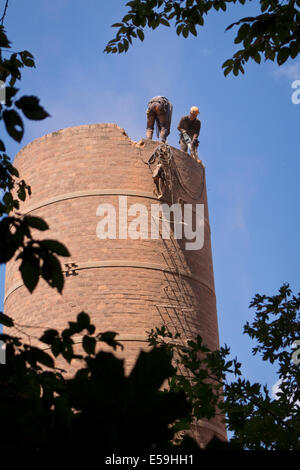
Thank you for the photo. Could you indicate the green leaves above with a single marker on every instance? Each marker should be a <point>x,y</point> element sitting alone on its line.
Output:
<point>14,124</point>
<point>196,365</point>
<point>27,58</point>
<point>4,42</point>
<point>185,32</point>
<point>283,55</point>
<point>250,409</point>
<point>10,92</point>
<point>31,267</point>
<point>10,72</point>
<point>257,58</point>
<point>41,406</point>
<point>31,108</point>
<point>273,34</point>
<point>294,49</point>
<point>257,421</point>
<point>243,32</point>
<point>44,250</point>
<point>140,34</point>
<point>154,14</point>
<point>276,324</point>
<point>38,258</point>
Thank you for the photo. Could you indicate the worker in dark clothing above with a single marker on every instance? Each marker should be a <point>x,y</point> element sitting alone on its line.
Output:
<point>189,128</point>
<point>159,111</point>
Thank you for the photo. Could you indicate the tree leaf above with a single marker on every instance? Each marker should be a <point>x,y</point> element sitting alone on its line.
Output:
<point>283,55</point>
<point>140,34</point>
<point>31,108</point>
<point>164,22</point>
<point>27,59</point>
<point>14,124</point>
<point>185,32</point>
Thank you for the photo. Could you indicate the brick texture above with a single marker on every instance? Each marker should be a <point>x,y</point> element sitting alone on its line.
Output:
<point>128,286</point>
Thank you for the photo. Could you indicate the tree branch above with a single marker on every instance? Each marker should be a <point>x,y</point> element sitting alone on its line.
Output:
<point>4,12</point>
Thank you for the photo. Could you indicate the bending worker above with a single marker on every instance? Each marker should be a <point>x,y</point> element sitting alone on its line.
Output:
<point>189,128</point>
<point>159,111</point>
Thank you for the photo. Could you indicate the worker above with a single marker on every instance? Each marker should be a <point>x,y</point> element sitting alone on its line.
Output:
<point>189,128</point>
<point>159,111</point>
<point>159,179</point>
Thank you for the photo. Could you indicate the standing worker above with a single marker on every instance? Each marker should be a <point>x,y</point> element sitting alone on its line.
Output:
<point>189,128</point>
<point>159,111</point>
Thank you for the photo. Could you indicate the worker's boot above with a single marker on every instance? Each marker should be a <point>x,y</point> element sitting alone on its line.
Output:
<point>149,133</point>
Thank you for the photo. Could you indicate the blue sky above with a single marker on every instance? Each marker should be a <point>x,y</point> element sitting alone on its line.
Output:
<point>249,137</point>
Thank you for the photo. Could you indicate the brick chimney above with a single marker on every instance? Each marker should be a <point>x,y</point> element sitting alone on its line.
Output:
<point>125,285</point>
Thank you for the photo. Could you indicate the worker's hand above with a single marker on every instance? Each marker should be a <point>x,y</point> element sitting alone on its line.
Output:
<point>186,138</point>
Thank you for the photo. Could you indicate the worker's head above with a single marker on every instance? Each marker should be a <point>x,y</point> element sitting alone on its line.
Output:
<point>194,111</point>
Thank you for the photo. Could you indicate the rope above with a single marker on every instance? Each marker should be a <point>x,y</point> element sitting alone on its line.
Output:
<point>193,195</point>
<point>163,154</point>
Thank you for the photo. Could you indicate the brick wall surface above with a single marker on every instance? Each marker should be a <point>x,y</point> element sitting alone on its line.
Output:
<point>128,286</point>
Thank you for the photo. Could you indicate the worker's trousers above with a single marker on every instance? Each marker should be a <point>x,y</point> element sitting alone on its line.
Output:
<point>163,120</point>
<point>183,145</point>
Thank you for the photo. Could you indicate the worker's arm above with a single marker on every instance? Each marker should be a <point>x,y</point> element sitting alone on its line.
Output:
<point>197,132</point>
<point>180,126</point>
